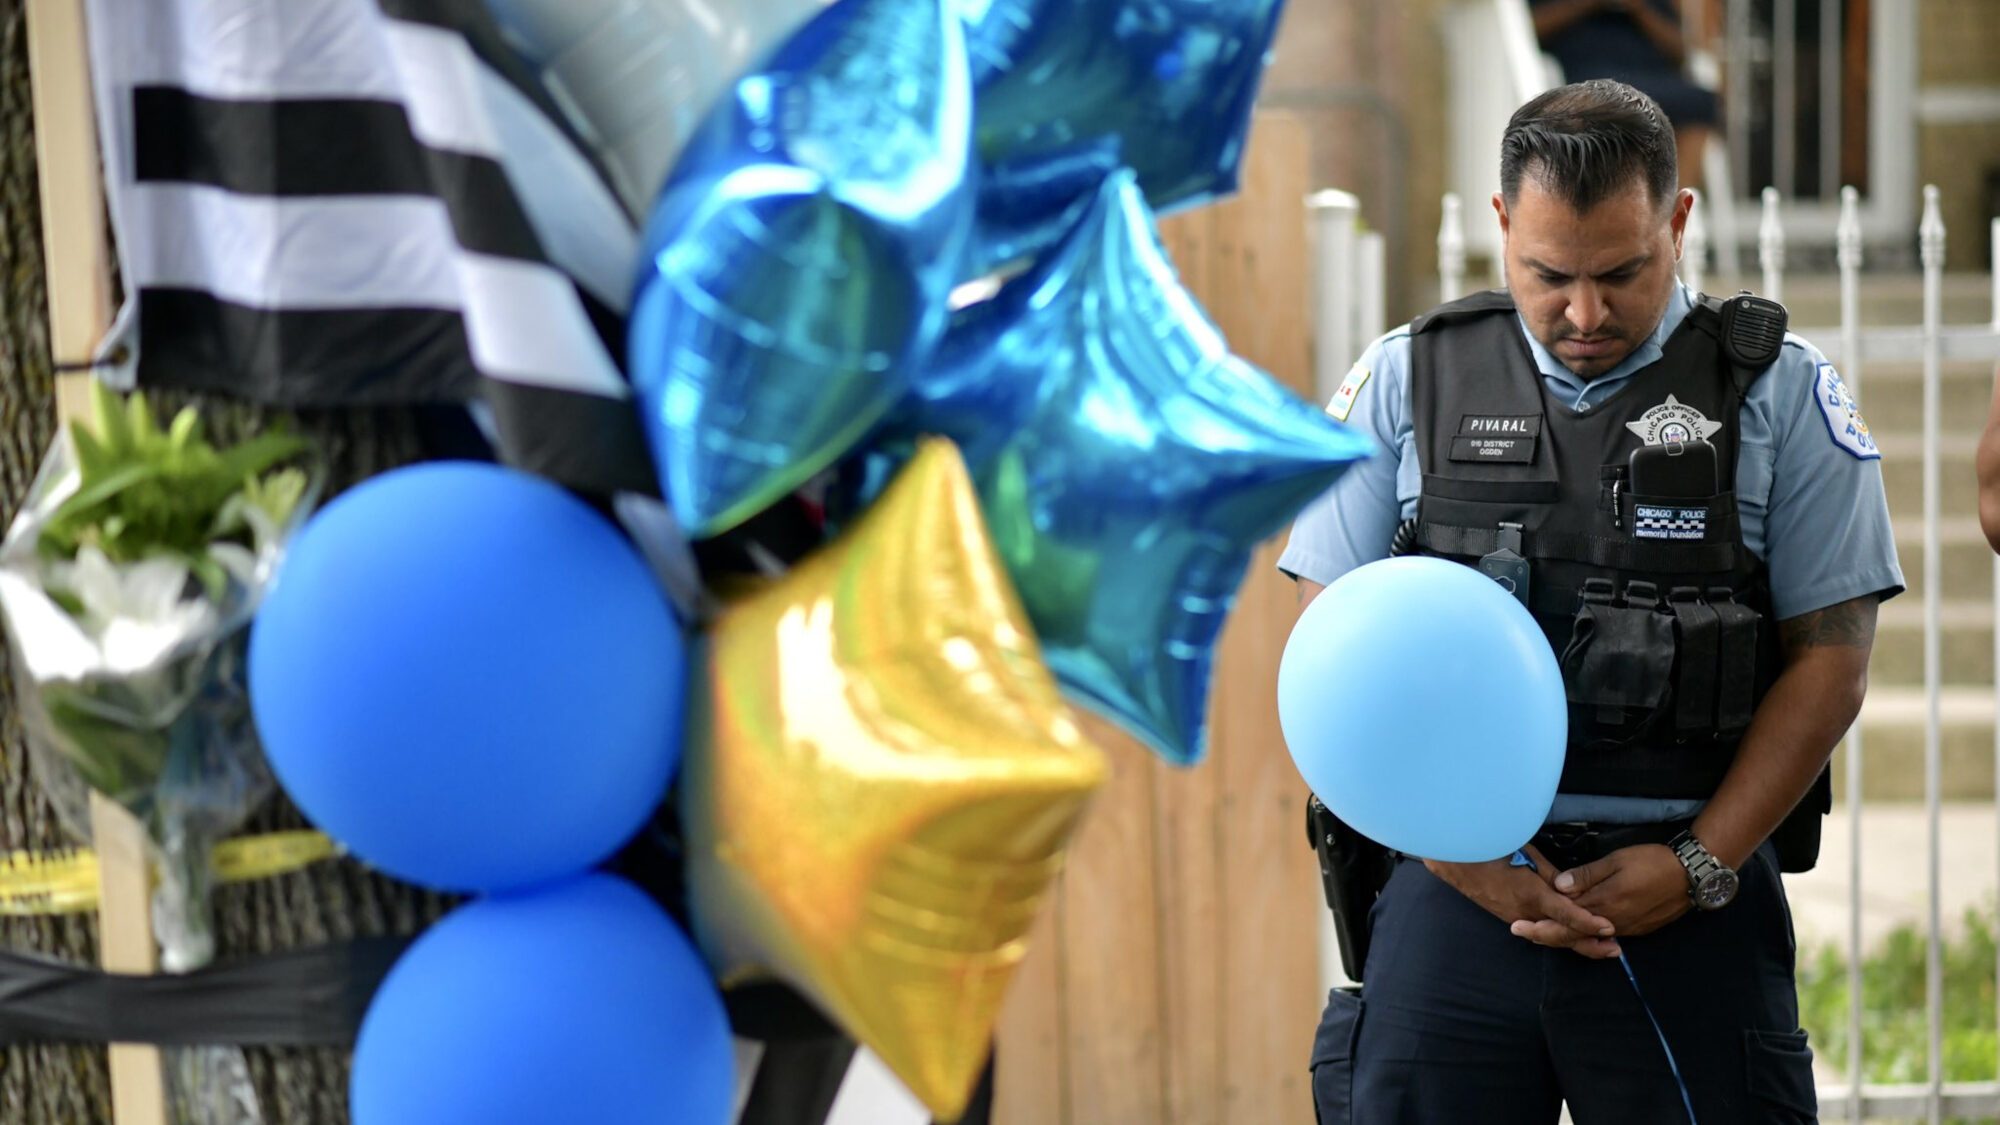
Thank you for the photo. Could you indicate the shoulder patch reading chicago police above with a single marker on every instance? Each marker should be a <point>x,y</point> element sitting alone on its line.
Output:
<point>1843,415</point>
<point>1342,403</point>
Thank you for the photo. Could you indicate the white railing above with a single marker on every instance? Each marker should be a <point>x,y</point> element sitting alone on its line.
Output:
<point>1494,64</point>
<point>1854,347</point>
<point>1350,285</point>
<point>1848,259</point>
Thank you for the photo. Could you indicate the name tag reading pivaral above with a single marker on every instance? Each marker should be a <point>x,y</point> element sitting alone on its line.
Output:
<point>1507,439</point>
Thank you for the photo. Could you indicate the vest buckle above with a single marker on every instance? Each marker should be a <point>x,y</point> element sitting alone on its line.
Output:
<point>1642,595</point>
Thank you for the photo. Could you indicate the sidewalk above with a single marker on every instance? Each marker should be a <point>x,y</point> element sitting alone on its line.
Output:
<point>1895,880</point>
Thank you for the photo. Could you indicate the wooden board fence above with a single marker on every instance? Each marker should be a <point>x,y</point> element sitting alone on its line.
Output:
<point>1175,979</point>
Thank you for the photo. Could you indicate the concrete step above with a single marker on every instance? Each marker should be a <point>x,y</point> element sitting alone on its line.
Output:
<point>1961,442</point>
<point>1892,399</point>
<point>1958,486</point>
<point>1892,754</point>
<point>1887,298</point>
<point>1965,560</point>
<point>1965,643</point>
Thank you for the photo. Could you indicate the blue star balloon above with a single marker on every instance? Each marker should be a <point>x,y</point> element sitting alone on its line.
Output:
<point>798,261</point>
<point>1127,463</point>
<point>1069,89</point>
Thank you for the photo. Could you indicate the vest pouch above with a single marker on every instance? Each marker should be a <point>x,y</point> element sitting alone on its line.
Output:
<point>1737,626</point>
<point>1697,636</point>
<point>1796,839</point>
<point>1619,662</point>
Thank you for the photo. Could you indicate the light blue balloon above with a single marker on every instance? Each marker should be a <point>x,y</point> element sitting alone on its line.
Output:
<point>1424,705</point>
<point>579,1002</point>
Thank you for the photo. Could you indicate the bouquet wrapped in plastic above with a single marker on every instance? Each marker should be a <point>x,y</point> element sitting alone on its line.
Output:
<point>127,581</point>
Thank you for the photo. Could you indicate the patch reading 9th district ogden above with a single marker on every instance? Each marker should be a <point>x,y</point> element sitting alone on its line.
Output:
<point>1342,403</point>
<point>1843,415</point>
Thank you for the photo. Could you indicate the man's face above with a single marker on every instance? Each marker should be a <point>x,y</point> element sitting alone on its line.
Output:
<point>1593,286</point>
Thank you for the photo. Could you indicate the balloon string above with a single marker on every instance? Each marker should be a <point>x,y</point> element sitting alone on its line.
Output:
<point>1520,859</point>
<point>1673,1066</point>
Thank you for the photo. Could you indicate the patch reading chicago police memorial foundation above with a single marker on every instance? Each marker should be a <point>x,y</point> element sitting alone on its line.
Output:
<point>1659,521</point>
<point>1506,438</point>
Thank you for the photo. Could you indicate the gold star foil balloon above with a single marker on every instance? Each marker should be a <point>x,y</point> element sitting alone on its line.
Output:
<point>881,781</point>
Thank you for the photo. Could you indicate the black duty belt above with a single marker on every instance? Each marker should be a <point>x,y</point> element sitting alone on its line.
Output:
<point>1575,844</point>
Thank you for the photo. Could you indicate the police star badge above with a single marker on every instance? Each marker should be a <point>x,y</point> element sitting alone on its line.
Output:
<point>1673,421</point>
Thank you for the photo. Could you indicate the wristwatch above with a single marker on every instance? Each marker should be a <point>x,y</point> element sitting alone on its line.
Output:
<point>1711,885</point>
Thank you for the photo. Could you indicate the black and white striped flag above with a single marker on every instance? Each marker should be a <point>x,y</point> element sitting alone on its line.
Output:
<point>362,202</point>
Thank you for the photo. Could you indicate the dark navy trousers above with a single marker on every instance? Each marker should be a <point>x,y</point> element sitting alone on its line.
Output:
<point>1460,1022</point>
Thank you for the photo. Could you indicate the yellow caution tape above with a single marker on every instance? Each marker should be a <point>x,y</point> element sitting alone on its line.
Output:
<point>245,858</point>
<point>62,882</point>
<point>65,882</point>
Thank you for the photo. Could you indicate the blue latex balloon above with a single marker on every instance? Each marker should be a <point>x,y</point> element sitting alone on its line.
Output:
<point>1127,464</point>
<point>580,1002</point>
<point>797,264</point>
<point>1423,704</point>
<point>1068,89</point>
<point>469,678</point>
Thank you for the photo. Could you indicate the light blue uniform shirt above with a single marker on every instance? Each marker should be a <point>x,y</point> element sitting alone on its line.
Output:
<point>1812,508</point>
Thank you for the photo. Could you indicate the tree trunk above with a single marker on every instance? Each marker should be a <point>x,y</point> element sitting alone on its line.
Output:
<point>66,1084</point>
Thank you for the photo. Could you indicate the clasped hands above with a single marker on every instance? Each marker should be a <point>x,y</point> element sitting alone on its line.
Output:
<point>1629,892</point>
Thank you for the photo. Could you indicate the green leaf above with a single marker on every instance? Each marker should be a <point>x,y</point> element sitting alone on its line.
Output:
<point>145,430</point>
<point>277,494</point>
<point>143,491</point>
<point>214,579</point>
<point>113,425</point>
<point>91,459</point>
<point>118,480</point>
<point>186,430</point>
<point>254,456</point>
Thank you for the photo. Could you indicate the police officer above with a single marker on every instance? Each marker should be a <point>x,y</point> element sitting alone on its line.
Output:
<point>1701,511</point>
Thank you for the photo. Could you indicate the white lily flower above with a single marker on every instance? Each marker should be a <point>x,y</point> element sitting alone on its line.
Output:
<point>137,612</point>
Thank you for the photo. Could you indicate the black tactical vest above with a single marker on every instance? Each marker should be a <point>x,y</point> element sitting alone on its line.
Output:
<point>1659,614</point>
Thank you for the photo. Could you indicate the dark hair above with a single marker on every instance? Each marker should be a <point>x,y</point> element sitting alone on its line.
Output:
<point>1585,142</point>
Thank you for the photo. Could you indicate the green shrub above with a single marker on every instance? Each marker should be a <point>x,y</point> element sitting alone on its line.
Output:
<point>1895,1035</point>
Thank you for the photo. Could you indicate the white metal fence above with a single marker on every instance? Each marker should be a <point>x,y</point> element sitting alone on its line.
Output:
<point>1793,75</point>
<point>1349,313</point>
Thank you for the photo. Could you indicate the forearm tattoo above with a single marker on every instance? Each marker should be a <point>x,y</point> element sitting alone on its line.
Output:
<point>1850,624</point>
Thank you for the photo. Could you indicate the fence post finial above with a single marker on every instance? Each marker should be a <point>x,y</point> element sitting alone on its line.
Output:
<point>1996,278</point>
<point>1335,218</point>
<point>1930,232</point>
<point>1847,256</point>
<point>1771,246</point>
<point>1694,243</point>
<point>1847,234</point>
<point>1451,249</point>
